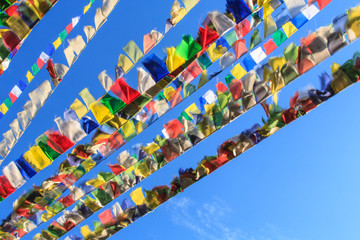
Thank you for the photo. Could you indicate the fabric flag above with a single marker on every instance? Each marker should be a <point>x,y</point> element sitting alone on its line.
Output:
<point>189,4</point>
<point>209,97</point>
<point>4,151</point>
<point>29,76</point>
<point>156,67</point>
<point>101,113</point>
<point>89,33</point>
<point>87,97</point>
<point>79,108</point>
<point>71,129</point>
<point>226,60</point>
<point>289,29</point>
<point>323,3</point>
<point>276,63</point>
<point>15,127</point>
<point>36,158</point>
<point>77,44</point>
<point>269,46</point>
<point>255,39</point>
<point>108,6</point>
<point>125,160</point>
<point>242,28</point>
<point>310,11</point>
<point>105,80</point>
<point>12,173</point>
<point>125,63</point>
<point>9,139</point>
<point>121,89</point>
<point>112,103</point>
<point>238,8</point>
<point>173,128</point>
<point>231,37</point>
<point>70,56</point>
<point>294,6</point>
<point>145,80</point>
<point>258,55</point>
<point>15,93</point>
<point>188,48</point>
<point>173,60</point>
<point>137,196</point>
<point>106,218</point>
<point>279,37</point>
<point>207,36</point>
<point>299,20</point>
<point>291,53</point>
<point>150,40</point>
<point>221,22</point>
<point>177,13</point>
<point>249,63</point>
<point>238,71</point>
<point>99,18</point>
<point>191,72</point>
<point>269,26</point>
<point>57,43</point>
<point>215,52</point>
<point>133,51</point>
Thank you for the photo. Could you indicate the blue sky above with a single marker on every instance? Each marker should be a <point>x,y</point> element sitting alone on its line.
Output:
<point>301,183</point>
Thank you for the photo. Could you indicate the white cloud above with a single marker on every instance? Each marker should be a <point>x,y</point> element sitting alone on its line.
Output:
<point>213,220</point>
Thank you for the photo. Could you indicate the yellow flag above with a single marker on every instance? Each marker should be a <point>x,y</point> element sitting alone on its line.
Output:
<point>128,128</point>
<point>173,61</point>
<point>36,158</point>
<point>289,29</point>
<point>335,68</point>
<point>215,52</point>
<point>3,108</point>
<point>88,164</point>
<point>192,109</point>
<point>79,108</point>
<point>29,76</point>
<point>141,169</point>
<point>276,63</point>
<point>85,231</point>
<point>137,196</point>
<point>151,148</point>
<point>117,122</point>
<point>209,109</point>
<point>87,7</point>
<point>125,63</point>
<point>177,13</point>
<point>87,97</point>
<point>140,127</point>
<point>262,2</point>
<point>238,71</point>
<point>95,182</point>
<point>169,92</point>
<point>189,4</point>
<point>269,26</point>
<point>57,43</point>
<point>267,10</point>
<point>133,51</point>
<point>101,113</point>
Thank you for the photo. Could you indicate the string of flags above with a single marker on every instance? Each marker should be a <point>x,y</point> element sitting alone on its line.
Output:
<point>121,215</point>
<point>58,71</point>
<point>340,82</point>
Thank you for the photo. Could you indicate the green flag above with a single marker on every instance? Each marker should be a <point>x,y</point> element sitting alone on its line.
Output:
<point>112,103</point>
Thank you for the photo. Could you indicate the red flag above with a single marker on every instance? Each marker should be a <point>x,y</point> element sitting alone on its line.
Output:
<point>59,143</point>
<point>207,36</point>
<point>270,46</point>
<point>242,28</point>
<point>174,128</point>
<point>176,97</point>
<point>121,89</point>
<point>221,88</point>
<point>116,168</point>
<point>67,201</point>
<point>236,87</point>
<point>106,218</point>
<point>239,48</point>
<point>323,3</point>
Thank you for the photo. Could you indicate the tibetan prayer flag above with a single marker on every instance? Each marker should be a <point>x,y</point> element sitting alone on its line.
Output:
<point>133,51</point>
<point>299,20</point>
<point>269,26</point>
<point>242,28</point>
<point>112,103</point>
<point>239,48</point>
<point>188,48</point>
<point>238,8</point>
<point>137,196</point>
<point>221,22</point>
<point>269,46</point>
<point>291,53</point>
<point>258,55</point>
<point>156,67</point>
<point>79,108</point>
<point>87,97</point>
<point>29,76</point>
<point>294,6</point>
<point>323,3</point>
<point>249,63</point>
<point>36,158</point>
<point>255,39</point>
<point>121,89</point>
<point>125,63</point>
<point>238,71</point>
<point>101,113</point>
<point>173,60</point>
<point>279,37</point>
<point>207,36</point>
<point>177,13</point>
<point>289,29</point>
<point>310,11</point>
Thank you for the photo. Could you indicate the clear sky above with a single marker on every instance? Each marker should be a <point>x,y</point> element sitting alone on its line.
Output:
<point>301,183</point>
